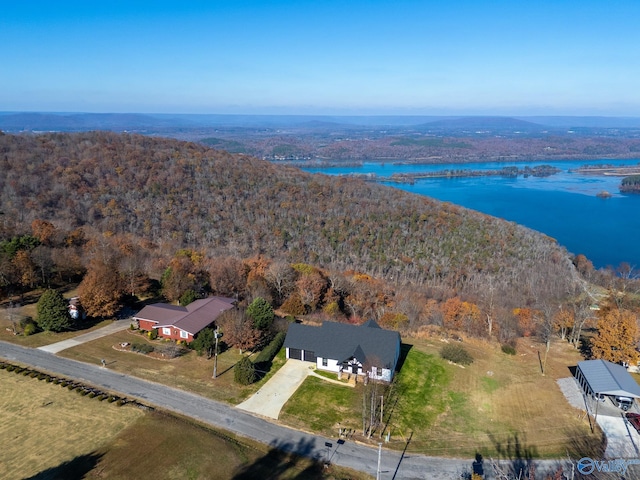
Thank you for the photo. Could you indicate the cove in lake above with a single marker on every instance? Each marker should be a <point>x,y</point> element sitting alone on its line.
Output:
<point>563,206</point>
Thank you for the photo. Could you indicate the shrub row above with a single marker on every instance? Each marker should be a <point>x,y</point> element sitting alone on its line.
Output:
<point>271,350</point>
<point>71,385</point>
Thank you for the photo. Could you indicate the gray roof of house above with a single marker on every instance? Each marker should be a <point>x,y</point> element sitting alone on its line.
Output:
<point>192,318</point>
<point>609,378</point>
<point>368,343</point>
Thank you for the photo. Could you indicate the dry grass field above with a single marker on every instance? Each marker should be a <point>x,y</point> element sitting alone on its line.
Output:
<point>48,432</point>
<point>43,425</point>
<point>502,405</point>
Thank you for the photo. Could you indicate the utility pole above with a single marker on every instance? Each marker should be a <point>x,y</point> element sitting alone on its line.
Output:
<point>217,335</point>
<point>379,455</point>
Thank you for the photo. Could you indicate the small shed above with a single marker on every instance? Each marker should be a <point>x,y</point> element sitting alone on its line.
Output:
<point>599,377</point>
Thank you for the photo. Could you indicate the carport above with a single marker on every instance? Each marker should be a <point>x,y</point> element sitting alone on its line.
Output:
<point>599,377</point>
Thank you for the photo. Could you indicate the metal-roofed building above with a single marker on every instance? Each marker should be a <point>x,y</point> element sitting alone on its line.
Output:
<point>363,349</point>
<point>599,377</point>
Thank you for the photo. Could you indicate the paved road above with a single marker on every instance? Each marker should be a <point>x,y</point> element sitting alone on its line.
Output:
<point>349,454</point>
<point>87,337</point>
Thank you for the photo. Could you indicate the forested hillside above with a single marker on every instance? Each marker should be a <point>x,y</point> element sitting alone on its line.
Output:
<point>169,195</point>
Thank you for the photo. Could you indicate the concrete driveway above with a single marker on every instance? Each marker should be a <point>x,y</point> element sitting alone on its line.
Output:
<point>269,400</point>
<point>116,326</point>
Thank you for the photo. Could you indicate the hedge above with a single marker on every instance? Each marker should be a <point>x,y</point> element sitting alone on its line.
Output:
<point>271,350</point>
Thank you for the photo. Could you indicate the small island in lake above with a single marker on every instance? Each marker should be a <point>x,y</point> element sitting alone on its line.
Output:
<point>630,184</point>
<point>603,194</point>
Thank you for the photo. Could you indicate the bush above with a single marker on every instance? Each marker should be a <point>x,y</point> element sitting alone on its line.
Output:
<point>293,305</point>
<point>456,354</point>
<point>508,349</point>
<point>29,329</point>
<point>153,334</point>
<point>142,348</point>
<point>244,372</point>
<point>188,297</point>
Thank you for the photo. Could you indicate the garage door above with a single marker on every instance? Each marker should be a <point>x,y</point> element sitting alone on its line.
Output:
<point>295,353</point>
<point>309,356</point>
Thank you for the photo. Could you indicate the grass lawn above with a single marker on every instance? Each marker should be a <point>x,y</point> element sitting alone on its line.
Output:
<point>51,432</point>
<point>189,372</point>
<point>500,405</point>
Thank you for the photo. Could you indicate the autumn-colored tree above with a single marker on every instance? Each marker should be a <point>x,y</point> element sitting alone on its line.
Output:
<point>394,320</point>
<point>462,316</point>
<point>25,268</point>
<point>43,231</point>
<point>528,320</point>
<point>185,272</point>
<point>227,276</point>
<point>617,337</point>
<point>100,290</point>
<point>293,305</point>
<point>311,288</point>
<point>563,322</point>
<point>239,331</point>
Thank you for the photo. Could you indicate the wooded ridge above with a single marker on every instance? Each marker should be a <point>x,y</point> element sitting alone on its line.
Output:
<point>169,195</point>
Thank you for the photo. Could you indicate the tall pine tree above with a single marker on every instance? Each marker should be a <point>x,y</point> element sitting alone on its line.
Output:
<point>53,312</point>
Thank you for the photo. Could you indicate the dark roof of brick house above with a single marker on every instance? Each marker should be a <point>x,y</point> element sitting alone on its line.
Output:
<point>192,318</point>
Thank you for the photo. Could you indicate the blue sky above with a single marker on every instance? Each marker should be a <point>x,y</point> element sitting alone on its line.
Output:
<point>322,56</point>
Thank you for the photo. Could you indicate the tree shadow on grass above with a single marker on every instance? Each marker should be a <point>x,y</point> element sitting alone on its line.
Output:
<point>281,458</point>
<point>71,470</point>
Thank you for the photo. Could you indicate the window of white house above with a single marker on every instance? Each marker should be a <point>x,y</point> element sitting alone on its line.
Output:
<point>325,362</point>
<point>378,371</point>
<point>184,334</point>
<point>166,331</point>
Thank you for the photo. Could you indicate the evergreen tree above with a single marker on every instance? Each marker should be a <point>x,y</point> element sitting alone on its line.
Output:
<point>205,341</point>
<point>53,313</point>
<point>261,312</point>
<point>244,372</point>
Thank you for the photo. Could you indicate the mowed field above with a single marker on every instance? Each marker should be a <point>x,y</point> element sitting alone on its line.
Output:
<point>43,426</point>
<point>49,432</point>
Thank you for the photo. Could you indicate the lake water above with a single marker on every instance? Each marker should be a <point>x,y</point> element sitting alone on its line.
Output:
<point>563,206</point>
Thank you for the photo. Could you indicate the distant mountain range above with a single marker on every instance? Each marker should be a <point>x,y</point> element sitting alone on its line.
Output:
<point>146,123</point>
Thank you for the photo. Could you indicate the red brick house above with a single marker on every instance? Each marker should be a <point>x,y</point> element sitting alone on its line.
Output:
<point>182,323</point>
